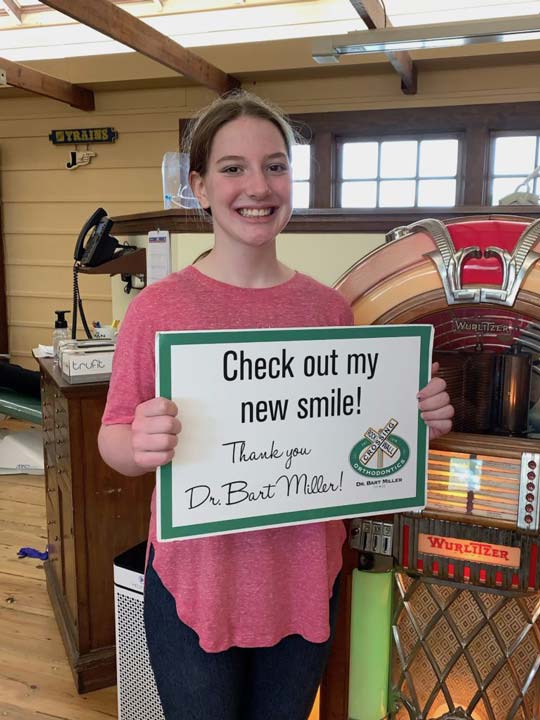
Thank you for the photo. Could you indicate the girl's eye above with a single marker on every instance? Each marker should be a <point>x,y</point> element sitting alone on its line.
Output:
<point>231,170</point>
<point>278,167</point>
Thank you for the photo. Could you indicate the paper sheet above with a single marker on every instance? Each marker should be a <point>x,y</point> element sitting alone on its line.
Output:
<point>21,452</point>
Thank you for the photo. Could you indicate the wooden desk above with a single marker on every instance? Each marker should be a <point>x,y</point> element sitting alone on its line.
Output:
<point>93,514</point>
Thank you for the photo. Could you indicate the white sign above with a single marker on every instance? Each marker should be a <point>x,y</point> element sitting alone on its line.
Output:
<point>292,426</point>
<point>158,256</point>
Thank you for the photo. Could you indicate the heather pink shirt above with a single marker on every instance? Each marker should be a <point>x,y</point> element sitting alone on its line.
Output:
<point>247,589</point>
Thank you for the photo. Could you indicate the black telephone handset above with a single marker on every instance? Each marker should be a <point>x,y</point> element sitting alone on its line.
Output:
<point>100,247</point>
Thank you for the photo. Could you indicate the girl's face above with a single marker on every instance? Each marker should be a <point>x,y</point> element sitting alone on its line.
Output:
<point>247,183</point>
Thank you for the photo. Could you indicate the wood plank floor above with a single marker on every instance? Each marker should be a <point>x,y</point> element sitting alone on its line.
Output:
<point>35,679</point>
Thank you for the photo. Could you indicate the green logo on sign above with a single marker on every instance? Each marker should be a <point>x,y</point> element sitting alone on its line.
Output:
<point>379,453</point>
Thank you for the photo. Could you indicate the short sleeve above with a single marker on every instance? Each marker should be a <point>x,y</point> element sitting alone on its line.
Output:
<point>133,374</point>
<point>347,316</point>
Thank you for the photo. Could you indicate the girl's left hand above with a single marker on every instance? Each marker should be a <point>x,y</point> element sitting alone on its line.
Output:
<point>435,407</point>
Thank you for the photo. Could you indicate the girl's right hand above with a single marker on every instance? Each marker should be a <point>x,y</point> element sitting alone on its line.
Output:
<point>154,432</point>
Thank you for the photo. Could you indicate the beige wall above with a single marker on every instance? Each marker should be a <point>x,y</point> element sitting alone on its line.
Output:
<point>324,257</point>
<point>44,204</point>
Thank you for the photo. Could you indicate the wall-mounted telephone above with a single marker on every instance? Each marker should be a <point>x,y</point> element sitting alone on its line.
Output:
<point>100,246</point>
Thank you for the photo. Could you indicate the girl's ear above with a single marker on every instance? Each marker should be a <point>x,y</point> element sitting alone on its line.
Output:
<point>198,187</point>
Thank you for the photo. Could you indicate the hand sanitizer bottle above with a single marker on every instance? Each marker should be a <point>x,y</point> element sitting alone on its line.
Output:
<point>60,331</point>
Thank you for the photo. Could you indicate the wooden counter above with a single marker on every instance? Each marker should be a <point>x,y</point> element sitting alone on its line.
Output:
<point>93,514</point>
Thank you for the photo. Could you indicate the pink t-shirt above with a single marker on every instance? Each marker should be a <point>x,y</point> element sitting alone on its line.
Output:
<point>246,589</point>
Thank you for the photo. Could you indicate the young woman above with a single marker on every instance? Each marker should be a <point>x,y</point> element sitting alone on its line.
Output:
<point>238,626</point>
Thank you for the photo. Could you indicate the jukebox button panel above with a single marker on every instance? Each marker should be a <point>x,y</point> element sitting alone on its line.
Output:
<point>529,510</point>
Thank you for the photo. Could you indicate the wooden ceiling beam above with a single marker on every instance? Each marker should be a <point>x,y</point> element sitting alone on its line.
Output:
<point>403,64</point>
<point>373,13</point>
<point>13,10</point>
<point>26,78</point>
<point>106,18</point>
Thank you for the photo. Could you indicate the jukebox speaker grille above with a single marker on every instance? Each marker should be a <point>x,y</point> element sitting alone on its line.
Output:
<point>463,648</point>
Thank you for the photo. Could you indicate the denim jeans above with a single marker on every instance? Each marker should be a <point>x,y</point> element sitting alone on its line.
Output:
<point>275,683</point>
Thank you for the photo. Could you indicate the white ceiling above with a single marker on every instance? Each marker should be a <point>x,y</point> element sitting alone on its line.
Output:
<point>45,33</point>
<point>422,12</point>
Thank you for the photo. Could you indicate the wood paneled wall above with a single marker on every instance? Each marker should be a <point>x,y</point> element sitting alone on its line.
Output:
<point>44,204</point>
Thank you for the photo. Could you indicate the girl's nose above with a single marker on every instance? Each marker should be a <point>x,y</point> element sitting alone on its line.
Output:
<point>258,186</point>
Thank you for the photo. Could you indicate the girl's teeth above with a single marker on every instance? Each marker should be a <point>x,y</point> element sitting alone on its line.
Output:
<point>255,212</point>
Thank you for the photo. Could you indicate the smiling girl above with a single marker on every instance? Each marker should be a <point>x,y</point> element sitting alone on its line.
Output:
<point>238,626</point>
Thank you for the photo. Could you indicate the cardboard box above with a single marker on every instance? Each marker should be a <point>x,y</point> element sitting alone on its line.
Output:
<point>88,362</point>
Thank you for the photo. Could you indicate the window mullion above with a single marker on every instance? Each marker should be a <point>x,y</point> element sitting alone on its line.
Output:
<point>323,170</point>
<point>475,173</point>
<point>378,196</point>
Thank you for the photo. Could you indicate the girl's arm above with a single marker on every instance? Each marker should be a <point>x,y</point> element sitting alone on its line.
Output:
<point>145,444</point>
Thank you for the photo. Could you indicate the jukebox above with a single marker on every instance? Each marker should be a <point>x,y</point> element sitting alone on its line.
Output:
<point>458,584</point>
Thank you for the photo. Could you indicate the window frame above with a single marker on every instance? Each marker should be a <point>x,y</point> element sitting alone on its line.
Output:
<point>494,135</point>
<point>310,179</point>
<point>474,122</point>
<point>342,140</point>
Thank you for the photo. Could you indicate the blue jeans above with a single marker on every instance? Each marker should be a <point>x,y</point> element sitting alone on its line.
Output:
<point>275,683</point>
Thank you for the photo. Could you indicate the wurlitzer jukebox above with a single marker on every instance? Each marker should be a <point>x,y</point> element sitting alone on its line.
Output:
<point>458,614</point>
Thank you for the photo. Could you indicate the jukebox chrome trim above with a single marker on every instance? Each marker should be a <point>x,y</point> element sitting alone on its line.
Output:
<point>449,263</point>
<point>529,508</point>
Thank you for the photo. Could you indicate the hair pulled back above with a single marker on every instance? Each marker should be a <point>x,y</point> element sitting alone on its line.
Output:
<point>238,103</point>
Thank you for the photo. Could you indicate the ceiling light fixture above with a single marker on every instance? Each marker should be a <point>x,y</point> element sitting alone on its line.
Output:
<point>427,37</point>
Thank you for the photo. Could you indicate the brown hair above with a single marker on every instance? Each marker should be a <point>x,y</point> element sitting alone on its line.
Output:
<point>203,128</point>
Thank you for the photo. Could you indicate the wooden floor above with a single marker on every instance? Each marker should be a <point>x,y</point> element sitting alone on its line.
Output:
<point>35,679</point>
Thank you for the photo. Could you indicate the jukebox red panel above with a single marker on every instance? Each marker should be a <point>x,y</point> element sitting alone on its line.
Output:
<point>465,630</point>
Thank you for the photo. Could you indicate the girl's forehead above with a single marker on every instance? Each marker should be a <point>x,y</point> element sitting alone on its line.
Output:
<point>236,137</point>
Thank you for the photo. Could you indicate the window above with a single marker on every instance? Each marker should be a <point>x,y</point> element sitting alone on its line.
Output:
<point>514,157</point>
<point>418,172</point>
<point>301,168</point>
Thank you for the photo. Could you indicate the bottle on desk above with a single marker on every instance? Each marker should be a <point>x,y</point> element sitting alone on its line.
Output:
<point>60,332</point>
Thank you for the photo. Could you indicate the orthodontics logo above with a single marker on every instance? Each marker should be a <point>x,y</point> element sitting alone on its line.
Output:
<point>380,453</point>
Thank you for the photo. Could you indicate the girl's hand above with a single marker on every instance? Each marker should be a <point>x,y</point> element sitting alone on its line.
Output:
<point>434,404</point>
<point>154,432</point>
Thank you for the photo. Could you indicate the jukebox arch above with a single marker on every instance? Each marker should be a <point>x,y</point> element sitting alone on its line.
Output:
<point>462,578</point>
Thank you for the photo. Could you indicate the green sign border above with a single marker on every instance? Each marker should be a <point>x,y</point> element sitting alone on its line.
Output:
<point>165,341</point>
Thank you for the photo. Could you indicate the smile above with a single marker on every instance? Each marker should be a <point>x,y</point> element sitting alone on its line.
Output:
<point>255,212</point>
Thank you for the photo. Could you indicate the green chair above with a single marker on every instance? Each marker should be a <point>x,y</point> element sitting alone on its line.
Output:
<point>21,407</point>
